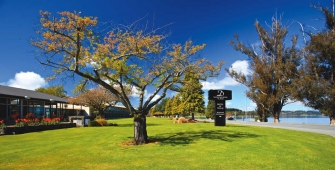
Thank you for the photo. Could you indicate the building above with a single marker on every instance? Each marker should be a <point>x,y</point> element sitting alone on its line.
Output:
<point>117,112</point>
<point>16,103</point>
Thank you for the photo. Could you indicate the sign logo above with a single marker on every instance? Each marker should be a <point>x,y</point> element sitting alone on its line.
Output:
<point>221,93</point>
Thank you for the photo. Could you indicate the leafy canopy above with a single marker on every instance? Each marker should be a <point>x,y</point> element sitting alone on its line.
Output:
<point>122,57</point>
<point>274,67</point>
<point>53,90</point>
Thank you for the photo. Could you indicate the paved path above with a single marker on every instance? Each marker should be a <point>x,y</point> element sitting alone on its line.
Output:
<point>323,129</point>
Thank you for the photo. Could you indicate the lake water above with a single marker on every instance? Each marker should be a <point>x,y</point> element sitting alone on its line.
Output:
<point>324,120</point>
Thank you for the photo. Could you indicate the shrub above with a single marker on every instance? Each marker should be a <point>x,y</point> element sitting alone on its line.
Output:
<point>256,118</point>
<point>98,117</point>
<point>190,121</point>
<point>102,121</point>
<point>93,123</point>
<point>112,124</point>
<point>182,120</point>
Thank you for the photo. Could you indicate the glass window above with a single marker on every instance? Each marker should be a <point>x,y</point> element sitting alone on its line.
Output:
<point>3,100</point>
<point>3,111</point>
<point>14,112</point>
<point>24,102</point>
<point>14,101</point>
<point>38,103</point>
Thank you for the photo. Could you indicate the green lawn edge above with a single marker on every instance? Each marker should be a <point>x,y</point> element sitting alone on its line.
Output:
<point>173,146</point>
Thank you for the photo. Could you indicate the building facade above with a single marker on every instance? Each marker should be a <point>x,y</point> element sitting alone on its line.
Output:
<point>16,103</point>
<point>117,112</point>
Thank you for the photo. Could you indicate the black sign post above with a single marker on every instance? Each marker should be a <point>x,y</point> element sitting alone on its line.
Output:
<point>220,97</point>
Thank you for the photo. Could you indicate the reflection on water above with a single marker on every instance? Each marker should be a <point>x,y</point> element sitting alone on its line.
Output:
<point>324,120</point>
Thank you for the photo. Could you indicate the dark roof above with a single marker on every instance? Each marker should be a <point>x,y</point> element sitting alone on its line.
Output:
<point>21,93</point>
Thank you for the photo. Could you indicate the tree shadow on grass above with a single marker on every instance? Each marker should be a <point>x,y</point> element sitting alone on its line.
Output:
<point>185,138</point>
<point>132,124</point>
<point>236,125</point>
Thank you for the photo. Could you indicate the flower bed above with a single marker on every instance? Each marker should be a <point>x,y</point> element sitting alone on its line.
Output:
<point>26,129</point>
<point>32,124</point>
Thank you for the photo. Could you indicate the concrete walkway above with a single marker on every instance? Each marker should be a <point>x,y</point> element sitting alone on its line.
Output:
<point>323,129</point>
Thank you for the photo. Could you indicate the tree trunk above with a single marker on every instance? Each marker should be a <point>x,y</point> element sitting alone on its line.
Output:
<point>276,111</point>
<point>140,129</point>
<point>263,118</point>
<point>332,120</point>
<point>275,117</point>
<point>192,116</point>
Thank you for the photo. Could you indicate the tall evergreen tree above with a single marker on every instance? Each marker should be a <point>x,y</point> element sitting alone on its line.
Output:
<point>161,105</point>
<point>192,96</point>
<point>175,107</point>
<point>210,109</point>
<point>274,68</point>
<point>317,83</point>
<point>168,107</point>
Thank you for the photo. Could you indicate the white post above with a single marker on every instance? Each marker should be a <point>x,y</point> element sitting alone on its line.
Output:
<point>245,112</point>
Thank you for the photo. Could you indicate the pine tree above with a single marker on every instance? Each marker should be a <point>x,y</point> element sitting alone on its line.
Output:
<point>317,83</point>
<point>274,68</point>
<point>168,107</point>
<point>210,110</point>
<point>192,96</point>
<point>175,107</point>
<point>161,105</point>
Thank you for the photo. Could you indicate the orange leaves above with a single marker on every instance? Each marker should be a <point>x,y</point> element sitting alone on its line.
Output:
<point>47,35</point>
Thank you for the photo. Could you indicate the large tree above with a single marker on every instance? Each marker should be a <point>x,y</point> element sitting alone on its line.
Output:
<point>122,57</point>
<point>192,96</point>
<point>53,90</point>
<point>98,98</point>
<point>273,66</point>
<point>317,83</point>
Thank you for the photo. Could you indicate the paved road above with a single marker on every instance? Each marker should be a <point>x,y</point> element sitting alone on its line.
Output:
<point>323,129</point>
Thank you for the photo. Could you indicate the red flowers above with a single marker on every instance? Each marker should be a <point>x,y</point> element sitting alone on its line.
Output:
<point>15,115</point>
<point>31,120</point>
<point>2,123</point>
<point>52,121</point>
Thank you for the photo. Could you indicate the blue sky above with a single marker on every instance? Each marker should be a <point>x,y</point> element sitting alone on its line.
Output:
<point>213,22</point>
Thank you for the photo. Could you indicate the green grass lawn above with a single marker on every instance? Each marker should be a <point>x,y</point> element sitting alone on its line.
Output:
<point>178,146</point>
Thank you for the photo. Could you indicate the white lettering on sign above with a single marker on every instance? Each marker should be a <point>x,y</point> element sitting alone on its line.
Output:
<point>220,97</point>
<point>219,113</point>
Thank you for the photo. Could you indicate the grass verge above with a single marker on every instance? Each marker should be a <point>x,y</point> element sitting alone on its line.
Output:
<point>174,146</point>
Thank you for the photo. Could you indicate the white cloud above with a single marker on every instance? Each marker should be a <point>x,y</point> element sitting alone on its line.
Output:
<point>241,66</point>
<point>135,93</point>
<point>219,84</point>
<point>238,66</point>
<point>147,95</point>
<point>26,80</point>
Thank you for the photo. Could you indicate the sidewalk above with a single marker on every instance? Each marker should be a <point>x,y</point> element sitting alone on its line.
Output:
<point>323,129</point>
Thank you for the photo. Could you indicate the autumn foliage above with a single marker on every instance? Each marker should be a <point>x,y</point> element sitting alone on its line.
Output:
<point>118,58</point>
